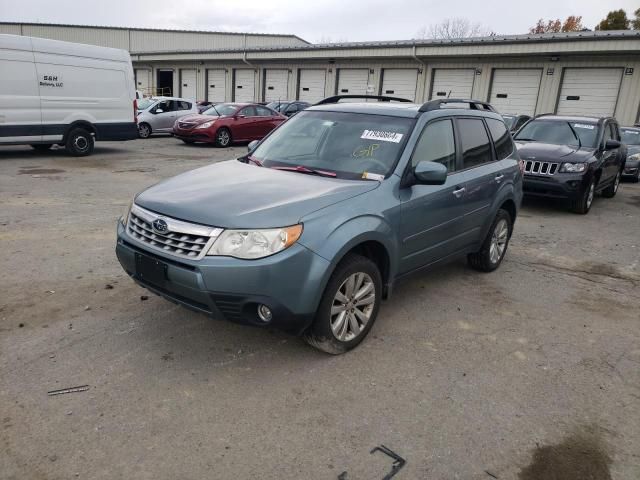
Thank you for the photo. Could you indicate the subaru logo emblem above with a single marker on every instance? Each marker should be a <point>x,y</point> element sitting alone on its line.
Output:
<point>160,226</point>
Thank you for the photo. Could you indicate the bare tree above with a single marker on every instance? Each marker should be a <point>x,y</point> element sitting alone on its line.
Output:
<point>452,28</point>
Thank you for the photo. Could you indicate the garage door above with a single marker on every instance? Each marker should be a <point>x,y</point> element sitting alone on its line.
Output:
<point>400,82</point>
<point>143,80</point>
<point>311,85</point>
<point>244,86</point>
<point>276,85</point>
<point>589,91</point>
<point>354,81</point>
<point>452,83</point>
<point>216,85</point>
<point>515,90</point>
<point>188,83</point>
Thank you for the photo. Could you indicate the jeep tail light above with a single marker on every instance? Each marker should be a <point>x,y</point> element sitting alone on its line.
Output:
<point>135,110</point>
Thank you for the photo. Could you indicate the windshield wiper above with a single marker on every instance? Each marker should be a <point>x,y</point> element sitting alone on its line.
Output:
<point>310,171</point>
<point>255,161</point>
<point>575,135</point>
<point>525,139</point>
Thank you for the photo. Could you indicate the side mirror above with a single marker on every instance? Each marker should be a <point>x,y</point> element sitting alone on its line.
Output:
<point>611,144</point>
<point>159,110</point>
<point>252,145</point>
<point>430,173</point>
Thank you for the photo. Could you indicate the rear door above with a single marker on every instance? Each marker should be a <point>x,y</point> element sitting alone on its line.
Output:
<point>20,117</point>
<point>244,125</point>
<point>431,218</point>
<point>265,121</point>
<point>481,172</point>
<point>609,157</point>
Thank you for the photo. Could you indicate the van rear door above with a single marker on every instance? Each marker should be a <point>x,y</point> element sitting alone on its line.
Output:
<point>20,115</point>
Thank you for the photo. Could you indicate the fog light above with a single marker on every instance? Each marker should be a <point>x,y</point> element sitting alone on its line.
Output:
<point>264,313</point>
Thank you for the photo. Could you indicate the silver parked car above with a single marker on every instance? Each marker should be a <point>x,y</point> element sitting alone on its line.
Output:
<point>158,114</point>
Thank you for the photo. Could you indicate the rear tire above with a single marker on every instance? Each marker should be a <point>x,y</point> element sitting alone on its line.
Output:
<point>79,142</point>
<point>582,203</point>
<point>495,244</point>
<point>223,137</point>
<point>612,189</point>
<point>144,130</point>
<point>42,146</point>
<point>349,306</point>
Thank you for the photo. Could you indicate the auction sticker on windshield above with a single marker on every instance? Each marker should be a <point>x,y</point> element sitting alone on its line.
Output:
<point>382,136</point>
<point>583,125</point>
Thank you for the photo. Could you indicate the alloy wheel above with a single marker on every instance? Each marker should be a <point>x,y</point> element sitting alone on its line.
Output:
<point>499,241</point>
<point>352,306</point>
<point>591,194</point>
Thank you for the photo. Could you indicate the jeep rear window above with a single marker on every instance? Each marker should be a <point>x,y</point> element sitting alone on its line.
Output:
<point>559,132</point>
<point>352,145</point>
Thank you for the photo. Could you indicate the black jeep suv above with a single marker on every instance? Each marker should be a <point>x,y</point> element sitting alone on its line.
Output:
<point>571,158</point>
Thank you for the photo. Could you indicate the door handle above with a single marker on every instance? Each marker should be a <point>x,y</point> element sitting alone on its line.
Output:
<point>499,177</point>
<point>458,193</point>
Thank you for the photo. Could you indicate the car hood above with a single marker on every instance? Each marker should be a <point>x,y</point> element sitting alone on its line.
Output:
<point>233,194</point>
<point>553,153</point>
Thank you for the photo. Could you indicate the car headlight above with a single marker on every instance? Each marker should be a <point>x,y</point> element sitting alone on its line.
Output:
<point>250,244</point>
<point>635,157</point>
<point>125,217</point>
<point>206,124</point>
<point>573,167</point>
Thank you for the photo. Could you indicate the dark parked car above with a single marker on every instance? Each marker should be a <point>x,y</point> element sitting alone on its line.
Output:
<point>514,122</point>
<point>225,123</point>
<point>316,225</point>
<point>288,108</point>
<point>631,138</point>
<point>571,158</point>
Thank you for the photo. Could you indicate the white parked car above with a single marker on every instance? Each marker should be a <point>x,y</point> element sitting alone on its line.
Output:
<point>64,93</point>
<point>158,114</point>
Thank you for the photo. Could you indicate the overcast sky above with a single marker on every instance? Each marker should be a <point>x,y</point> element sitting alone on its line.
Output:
<point>313,20</point>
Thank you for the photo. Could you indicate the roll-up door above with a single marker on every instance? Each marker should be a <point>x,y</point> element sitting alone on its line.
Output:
<point>311,85</point>
<point>188,83</point>
<point>244,86</point>
<point>452,83</point>
<point>400,82</point>
<point>354,81</point>
<point>216,85</point>
<point>515,90</point>
<point>143,80</point>
<point>589,91</point>
<point>276,85</point>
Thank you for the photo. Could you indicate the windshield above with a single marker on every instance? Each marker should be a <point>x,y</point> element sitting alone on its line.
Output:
<point>509,121</point>
<point>222,110</point>
<point>278,106</point>
<point>349,144</point>
<point>145,103</point>
<point>559,133</point>
<point>630,136</point>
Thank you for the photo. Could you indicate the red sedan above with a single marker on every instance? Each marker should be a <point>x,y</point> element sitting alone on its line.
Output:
<point>225,123</point>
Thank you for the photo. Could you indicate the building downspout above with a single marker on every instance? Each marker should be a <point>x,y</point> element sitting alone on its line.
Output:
<point>424,70</point>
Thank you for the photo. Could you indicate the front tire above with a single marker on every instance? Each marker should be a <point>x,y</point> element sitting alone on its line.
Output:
<point>223,137</point>
<point>495,244</point>
<point>612,189</point>
<point>349,306</point>
<point>144,130</point>
<point>79,142</point>
<point>582,203</point>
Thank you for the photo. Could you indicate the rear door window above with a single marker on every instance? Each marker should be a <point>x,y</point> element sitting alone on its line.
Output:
<point>436,144</point>
<point>263,112</point>
<point>501,138</point>
<point>476,147</point>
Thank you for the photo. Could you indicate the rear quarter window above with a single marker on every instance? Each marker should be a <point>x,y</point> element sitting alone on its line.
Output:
<point>476,147</point>
<point>501,138</point>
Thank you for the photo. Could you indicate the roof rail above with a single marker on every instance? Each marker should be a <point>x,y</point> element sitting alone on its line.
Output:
<point>381,98</point>
<point>473,104</point>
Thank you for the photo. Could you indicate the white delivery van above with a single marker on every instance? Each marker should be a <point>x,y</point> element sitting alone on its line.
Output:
<point>63,93</point>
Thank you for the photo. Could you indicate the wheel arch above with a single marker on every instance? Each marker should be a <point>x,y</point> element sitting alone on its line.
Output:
<point>84,124</point>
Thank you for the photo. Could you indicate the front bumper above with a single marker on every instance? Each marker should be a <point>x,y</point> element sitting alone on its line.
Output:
<point>631,169</point>
<point>290,283</point>
<point>195,134</point>
<point>560,185</point>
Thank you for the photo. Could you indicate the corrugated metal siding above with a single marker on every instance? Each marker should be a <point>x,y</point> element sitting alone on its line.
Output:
<point>104,37</point>
<point>10,29</point>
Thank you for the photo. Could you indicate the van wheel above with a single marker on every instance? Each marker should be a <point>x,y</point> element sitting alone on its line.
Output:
<point>223,137</point>
<point>79,142</point>
<point>494,247</point>
<point>42,146</point>
<point>144,130</point>
<point>349,306</point>
<point>612,189</point>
